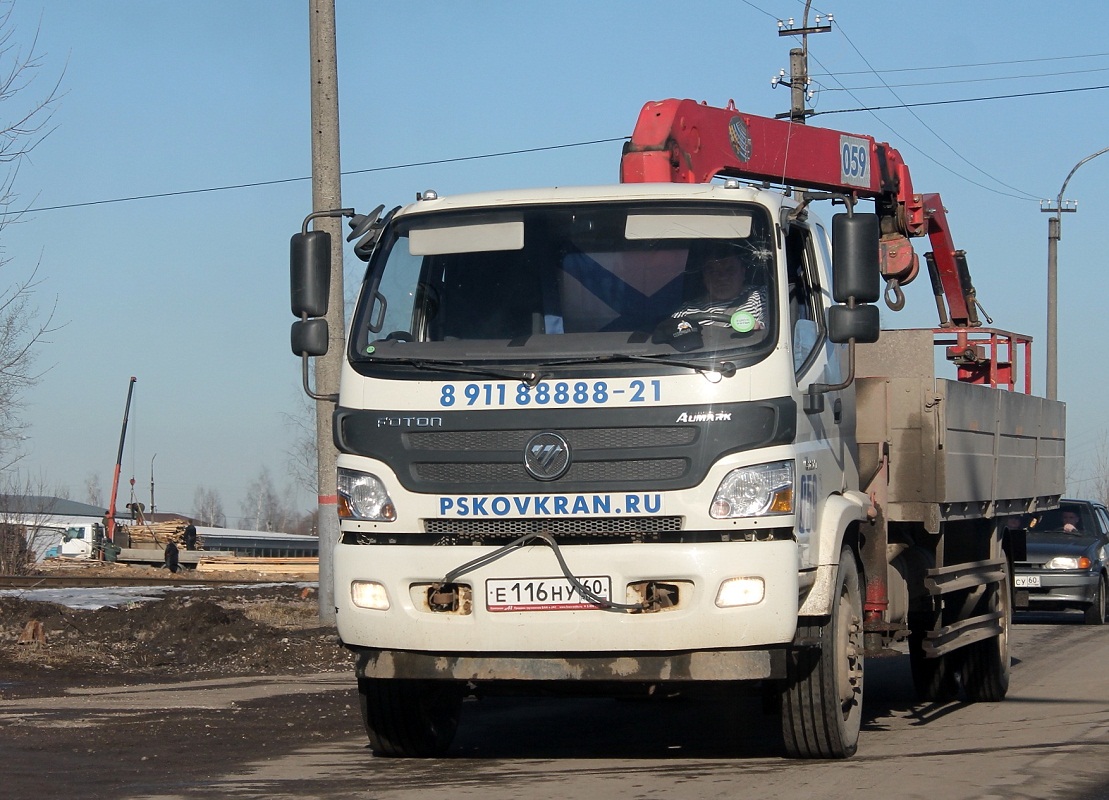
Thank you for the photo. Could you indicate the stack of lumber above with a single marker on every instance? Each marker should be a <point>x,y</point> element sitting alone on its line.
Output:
<point>159,533</point>
<point>302,567</point>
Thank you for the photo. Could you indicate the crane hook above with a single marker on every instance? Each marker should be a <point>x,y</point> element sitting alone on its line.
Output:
<point>895,298</point>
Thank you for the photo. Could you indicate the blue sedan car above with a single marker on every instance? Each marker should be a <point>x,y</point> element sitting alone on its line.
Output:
<point>1066,565</point>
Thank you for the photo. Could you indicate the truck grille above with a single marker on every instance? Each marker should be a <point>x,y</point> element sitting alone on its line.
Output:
<point>565,530</point>
<point>589,471</point>
<point>644,449</point>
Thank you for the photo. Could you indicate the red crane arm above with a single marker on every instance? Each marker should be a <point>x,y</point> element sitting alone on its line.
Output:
<point>682,141</point>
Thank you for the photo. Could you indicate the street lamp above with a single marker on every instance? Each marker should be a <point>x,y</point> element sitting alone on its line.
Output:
<point>1054,228</point>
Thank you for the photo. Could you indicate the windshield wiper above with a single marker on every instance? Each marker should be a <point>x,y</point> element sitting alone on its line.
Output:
<point>529,377</point>
<point>725,368</point>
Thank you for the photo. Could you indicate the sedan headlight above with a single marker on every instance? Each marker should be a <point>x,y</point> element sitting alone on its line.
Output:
<point>755,491</point>
<point>1068,562</point>
<point>363,496</point>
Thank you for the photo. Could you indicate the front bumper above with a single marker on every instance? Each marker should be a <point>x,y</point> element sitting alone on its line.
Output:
<point>1058,589</point>
<point>695,624</point>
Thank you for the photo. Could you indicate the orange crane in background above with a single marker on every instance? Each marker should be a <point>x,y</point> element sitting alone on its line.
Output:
<point>111,514</point>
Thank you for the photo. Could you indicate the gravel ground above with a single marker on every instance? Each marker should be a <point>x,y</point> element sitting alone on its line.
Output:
<point>189,633</point>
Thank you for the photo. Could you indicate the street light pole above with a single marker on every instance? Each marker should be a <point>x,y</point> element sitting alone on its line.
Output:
<point>1054,233</point>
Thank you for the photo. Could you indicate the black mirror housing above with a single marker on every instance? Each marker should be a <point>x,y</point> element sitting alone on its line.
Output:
<point>309,337</point>
<point>860,323</point>
<point>310,273</point>
<point>855,244</point>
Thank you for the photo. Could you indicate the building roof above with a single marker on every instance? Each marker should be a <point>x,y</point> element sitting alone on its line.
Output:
<point>29,505</point>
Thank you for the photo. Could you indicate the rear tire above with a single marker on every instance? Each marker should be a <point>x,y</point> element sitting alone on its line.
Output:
<point>986,666</point>
<point>408,718</point>
<point>823,696</point>
<point>1095,611</point>
<point>934,679</point>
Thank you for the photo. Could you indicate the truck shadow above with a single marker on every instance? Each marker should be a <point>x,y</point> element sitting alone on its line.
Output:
<point>724,723</point>
<point>1071,617</point>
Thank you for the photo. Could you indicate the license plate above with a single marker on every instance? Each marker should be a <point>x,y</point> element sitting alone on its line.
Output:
<point>544,594</point>
<point>1026,581</point>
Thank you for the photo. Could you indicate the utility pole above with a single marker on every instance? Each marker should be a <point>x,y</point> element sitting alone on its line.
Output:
<point>326,194</point>
<point>798,81</point>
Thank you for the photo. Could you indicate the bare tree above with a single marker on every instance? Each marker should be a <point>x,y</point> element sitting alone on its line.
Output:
<point>94,495</point>
<point>301,450</point>
<point>208,508</point>
<point>266,509</point>
<point>1099,484</point>
<point>26,532</point>
<point>307,524</point>
<point>22,326</point>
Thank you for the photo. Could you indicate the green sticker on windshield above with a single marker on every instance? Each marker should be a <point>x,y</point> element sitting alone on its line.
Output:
<point>370,349</point>
<point>743,321</point>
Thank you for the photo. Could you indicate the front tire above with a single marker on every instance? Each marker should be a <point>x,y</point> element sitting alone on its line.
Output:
<point>823,696</point>
<point>409,718</point>
<point>1095,611</point>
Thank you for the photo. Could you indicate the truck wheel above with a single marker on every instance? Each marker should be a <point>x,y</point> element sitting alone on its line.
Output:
<point>934,679</point>
<point>986,666</point>
<point>410,719</point>
<point>823,695</point>
<point>1095,611</point>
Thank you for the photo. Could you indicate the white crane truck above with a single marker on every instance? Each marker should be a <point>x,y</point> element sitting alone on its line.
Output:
<point>561,468</point>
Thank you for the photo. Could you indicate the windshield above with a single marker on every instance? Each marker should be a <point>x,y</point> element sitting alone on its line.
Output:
<point>542,283</point>
<point>1075,519</point>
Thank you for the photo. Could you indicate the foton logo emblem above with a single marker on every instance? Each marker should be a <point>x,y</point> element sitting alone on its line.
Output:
<point>410,422</point>
<point>547,456</point>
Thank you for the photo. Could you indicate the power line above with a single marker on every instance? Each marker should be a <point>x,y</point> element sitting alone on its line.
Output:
<point>306,178</point>
<point>760,10</point>
<point>963,66</point>
<point>1027,195</point>
<point>964,100</point>
<point>968,80</point>
<point>522,151</point>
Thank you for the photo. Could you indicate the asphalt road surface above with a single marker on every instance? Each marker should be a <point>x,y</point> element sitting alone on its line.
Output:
<point>302,738</point>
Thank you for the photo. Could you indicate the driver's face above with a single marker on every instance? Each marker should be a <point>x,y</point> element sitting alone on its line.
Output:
<point>724,277</point>
<point>1070,518</point>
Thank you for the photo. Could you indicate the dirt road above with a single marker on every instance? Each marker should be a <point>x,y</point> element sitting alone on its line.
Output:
<point>300,737</point>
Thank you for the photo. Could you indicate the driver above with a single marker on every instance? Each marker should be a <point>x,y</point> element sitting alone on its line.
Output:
<point>724,275</point>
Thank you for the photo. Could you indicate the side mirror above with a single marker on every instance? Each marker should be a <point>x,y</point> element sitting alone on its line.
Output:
<point>860,323</point>
<point>310,273</point>
<point>855,271</point>
<point>309,337</point>
<point>856,282</point>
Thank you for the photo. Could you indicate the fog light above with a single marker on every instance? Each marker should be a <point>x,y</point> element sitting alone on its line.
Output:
<point>369,594</point>
<point>740,592</point>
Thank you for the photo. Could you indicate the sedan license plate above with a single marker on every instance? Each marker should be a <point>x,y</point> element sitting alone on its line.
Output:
<point>544,594</point>
<point>1026,581</point>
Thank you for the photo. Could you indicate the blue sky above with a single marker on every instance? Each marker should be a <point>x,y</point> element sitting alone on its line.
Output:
<point>190,293</point>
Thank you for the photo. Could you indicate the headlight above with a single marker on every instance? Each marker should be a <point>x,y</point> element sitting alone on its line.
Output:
<point>1068,562</point>
<point>363,496</point>
<point>755,491</point>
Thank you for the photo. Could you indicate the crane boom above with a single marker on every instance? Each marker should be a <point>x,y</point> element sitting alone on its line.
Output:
<point>682,141</point>
<point>119,461</point>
